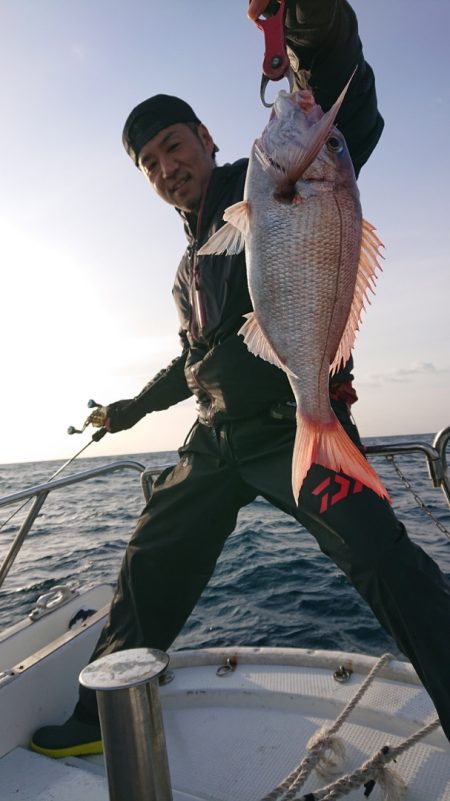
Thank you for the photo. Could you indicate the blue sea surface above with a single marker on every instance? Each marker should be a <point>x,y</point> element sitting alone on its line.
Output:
<point>272,585</point>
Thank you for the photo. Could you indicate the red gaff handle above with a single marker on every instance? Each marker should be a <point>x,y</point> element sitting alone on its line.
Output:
<point>276,59</point>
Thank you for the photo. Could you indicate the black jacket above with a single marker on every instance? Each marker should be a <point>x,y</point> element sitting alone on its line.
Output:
<point>211,292</point>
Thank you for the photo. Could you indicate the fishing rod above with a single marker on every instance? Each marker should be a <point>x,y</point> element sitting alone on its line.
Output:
<point>96,437</point>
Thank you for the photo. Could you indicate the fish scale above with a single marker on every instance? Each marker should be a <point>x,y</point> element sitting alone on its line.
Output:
<point>270,275</point>
<point>311,258</point>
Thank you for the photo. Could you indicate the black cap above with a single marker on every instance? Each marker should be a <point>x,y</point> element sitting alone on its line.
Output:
<point>151,117</point>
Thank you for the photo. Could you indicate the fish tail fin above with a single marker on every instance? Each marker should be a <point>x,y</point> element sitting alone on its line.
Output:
<point>330,446</point>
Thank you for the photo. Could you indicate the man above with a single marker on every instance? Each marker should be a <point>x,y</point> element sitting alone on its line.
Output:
<point>241,445</point>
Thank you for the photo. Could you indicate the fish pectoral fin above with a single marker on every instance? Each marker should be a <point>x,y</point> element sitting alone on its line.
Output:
<point>257,343</point>
<point>365,282</point>
<point>226,240</point>
<point>239,215</point>
<point>230,239</point>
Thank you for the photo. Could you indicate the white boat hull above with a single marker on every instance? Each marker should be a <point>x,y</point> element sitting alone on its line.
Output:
<point>230,737</point>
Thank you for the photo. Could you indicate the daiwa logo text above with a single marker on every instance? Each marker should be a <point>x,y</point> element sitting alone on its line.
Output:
<point>346,487</point>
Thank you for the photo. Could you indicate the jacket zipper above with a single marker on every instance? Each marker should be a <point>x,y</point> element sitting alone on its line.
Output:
<point>199,304</point>
<point>198,320</point>
<point>198,309</point>
<point>199,317</point>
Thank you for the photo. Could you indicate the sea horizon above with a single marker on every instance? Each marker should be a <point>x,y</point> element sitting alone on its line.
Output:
<point>365,439</point>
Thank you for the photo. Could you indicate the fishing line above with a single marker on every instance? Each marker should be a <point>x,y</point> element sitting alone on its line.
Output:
<point>96,437</point>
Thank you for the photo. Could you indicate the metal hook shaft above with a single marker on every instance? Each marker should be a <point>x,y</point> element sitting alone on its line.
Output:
<point>264,82</point>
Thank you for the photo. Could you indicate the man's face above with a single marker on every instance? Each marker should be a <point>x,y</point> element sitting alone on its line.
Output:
<point>178,163</point>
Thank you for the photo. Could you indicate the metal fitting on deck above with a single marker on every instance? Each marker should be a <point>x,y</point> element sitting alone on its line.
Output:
<point>133,737</point>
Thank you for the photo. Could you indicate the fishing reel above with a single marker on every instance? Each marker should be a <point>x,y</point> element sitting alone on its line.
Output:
<point>97,418</point>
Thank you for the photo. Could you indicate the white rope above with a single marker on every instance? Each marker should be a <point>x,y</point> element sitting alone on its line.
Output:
<point>373,771</point>
<point>326,752</point>
<point>359,694</point>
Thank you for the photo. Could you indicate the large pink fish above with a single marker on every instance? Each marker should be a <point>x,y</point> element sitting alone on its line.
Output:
<point>311,258</point>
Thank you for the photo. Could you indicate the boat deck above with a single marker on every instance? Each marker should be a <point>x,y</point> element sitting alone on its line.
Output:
<point>236,736</point>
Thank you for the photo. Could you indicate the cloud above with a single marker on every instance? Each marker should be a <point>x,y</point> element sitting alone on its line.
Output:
<point>403,375</point>
<point>79,51</point>
<point>417,367</point>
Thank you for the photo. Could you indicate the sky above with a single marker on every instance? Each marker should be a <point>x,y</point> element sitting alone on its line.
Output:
<point>88,253</point>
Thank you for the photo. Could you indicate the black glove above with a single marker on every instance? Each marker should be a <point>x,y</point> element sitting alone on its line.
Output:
<point>272,8</point>
<point>123,414</point>
<point>307,21</point>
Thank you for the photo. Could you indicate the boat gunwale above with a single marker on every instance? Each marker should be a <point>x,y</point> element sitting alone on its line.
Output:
<point>395,670</point>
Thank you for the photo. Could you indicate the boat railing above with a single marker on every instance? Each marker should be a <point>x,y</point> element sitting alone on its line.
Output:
<point>435,455</point>
<point>40,493</point>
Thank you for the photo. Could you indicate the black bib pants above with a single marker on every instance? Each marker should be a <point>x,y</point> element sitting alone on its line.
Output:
<point>174,548</point>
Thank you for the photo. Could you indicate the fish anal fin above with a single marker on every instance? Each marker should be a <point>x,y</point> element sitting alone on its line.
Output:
<point>365,280</point>
<point>230,239</point>
<point>329,445</point>
<point>257,342</point>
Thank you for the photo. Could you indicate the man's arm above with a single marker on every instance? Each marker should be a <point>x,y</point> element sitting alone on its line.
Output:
<point>323,36</point>
<point>165,389</point>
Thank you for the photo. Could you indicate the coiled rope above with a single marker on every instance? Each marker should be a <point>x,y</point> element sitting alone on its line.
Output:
<point>326,754</point>
<point>372,771</point>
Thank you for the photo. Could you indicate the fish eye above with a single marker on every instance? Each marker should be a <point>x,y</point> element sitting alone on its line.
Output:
<point>334,144</point>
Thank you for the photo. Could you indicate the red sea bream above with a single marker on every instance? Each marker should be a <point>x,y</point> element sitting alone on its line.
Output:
<point>311,259</point>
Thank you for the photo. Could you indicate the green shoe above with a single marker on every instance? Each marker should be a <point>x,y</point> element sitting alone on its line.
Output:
<point>74,738</point>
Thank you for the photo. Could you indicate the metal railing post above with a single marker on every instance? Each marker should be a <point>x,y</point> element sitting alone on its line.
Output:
<point>440,443</point>
<point>133,737</point>
<point>20,537</point>
<point>40,493</point>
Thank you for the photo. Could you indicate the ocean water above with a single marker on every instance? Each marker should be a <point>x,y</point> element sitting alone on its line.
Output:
<point>272,585</point>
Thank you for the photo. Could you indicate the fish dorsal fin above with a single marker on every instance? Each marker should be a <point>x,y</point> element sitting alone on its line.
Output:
<point>257,342</point>
<point>230,239</point>
<point>365,282</point>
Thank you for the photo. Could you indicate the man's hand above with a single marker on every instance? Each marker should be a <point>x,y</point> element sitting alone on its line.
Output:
<point>307,22</point>
<point>99,417</point>
<point>117,416</point>
<point>258,7</point>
